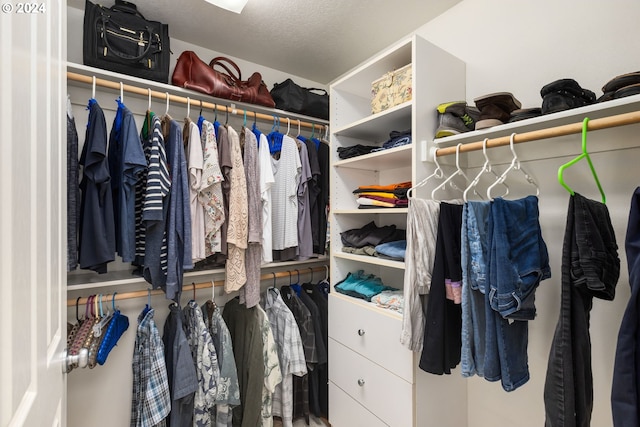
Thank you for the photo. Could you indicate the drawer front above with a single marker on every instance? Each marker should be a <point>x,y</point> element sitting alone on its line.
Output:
<point>386,395</point>
<point>371,333</point>
<point>346,412</point>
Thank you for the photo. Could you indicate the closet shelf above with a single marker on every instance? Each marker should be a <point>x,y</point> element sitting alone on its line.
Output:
<point>204,285</point>
<point>377,126</point>
<point>392,158</point>
<point>617,112</point>
<point>89,280</point>
<point>370,260</point>
<point>402,211</point>
<point>82,75</point>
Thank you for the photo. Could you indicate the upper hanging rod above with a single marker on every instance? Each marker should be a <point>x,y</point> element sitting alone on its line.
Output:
<point>187,287</point>
<point>552,132</point>
<point>184,100</point>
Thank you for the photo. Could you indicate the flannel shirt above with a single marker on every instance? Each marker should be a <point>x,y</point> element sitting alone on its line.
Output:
<point>151,402</point>
<point>290,353</point>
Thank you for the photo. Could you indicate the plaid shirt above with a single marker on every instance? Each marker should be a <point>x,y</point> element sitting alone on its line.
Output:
<point>151,402</point>
<point>290,353</point>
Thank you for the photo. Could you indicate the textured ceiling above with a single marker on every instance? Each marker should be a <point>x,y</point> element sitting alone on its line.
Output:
<point>314,39</point>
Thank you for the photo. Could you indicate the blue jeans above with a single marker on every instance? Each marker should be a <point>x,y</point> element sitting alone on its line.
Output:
<point>590,267</point>
<point>519,258</point>
<point>518,261</point>
<point>474,283</point>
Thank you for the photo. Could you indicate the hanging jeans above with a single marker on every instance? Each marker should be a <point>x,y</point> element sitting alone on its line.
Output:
<point>590,267</point>
<point>625,398</point>
<point>474,284</point>
<point>517,262</point>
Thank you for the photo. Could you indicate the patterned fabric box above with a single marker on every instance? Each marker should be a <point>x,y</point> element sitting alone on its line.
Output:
<point>394,88</point>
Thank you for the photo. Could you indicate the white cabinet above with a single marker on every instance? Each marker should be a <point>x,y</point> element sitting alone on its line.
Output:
<point>371,375</point>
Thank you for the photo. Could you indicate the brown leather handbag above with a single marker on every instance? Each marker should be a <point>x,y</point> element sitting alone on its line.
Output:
<point>192,73</point>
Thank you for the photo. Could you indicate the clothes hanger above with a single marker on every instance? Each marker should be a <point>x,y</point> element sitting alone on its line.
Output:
<point>188,107</point>
<point>584,155</point>
<point>486,168</point>
<point>149,95</point>
<point>288,126</point>
<point>438,173</point>
<point>515,165</point>
<point>453,175</point>
<point>93,87</point>
<point>244,121</point>
<point>121,92</point>
<point>226,120</point>
<point>166,112</point>
<point>200,114</point>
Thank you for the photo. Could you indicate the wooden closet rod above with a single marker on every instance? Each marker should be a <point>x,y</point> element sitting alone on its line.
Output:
<point>195,103</point>
<point>573,128</point>
<point>188,287</point>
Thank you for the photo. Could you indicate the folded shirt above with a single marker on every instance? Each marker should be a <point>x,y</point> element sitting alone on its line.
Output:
<point>369,250</point>
<point>385,194</point>
<point>391,187</point>
<point>355,150</point>
<point>402,202</point>
<point>361,285</point>
<point>392,250</point>
<point>370,234</point>
<point>363,201</point>
<point>392,300</point>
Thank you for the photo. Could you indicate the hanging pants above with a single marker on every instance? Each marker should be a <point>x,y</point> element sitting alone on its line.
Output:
<point>590,268</point>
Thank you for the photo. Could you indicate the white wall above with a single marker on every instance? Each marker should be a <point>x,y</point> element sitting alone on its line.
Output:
<point>519,46</point>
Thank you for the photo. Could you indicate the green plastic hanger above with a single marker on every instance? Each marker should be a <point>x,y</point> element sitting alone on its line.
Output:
<point>585,154</point>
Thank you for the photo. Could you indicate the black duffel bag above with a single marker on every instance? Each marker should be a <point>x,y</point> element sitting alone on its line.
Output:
<point>291,97</point>
<point>120,39</point>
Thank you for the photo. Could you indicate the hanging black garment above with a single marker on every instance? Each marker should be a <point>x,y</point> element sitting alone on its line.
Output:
<point>443,319</point>
<point>97,240</point>
<point>590,268</point>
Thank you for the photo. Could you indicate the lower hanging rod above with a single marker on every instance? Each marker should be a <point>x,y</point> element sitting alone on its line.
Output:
<point>205,285</point>
<point>552,132</point>
<point>194,103</point>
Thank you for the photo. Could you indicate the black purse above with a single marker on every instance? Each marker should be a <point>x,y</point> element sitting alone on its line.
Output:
<point>120,39</point>
<point>291,97</point>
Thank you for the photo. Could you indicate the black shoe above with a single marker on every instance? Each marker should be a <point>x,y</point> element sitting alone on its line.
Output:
<point>564,94</point>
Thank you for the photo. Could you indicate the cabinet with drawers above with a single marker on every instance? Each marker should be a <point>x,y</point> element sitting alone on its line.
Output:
<point>373,379</point>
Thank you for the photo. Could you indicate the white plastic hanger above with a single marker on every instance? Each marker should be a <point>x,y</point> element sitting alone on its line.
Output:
<point>167,110</point>
<point>515,165</point>
<point>486,168</point>
<point>121,92</point>
<point>438,173</point>
<point>149,107</point>
<point>188,107</point>
<point>453,175</point>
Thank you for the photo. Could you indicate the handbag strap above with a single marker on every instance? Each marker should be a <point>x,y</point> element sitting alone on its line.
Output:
<point>115,52</point>
<point>318,89</point>
<point>127,7</point>
<point>218,60</point>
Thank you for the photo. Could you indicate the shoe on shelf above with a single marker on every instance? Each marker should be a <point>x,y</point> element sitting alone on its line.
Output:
<point>564,94</point>
<point>495,109</point>
<point>454,118</point>
<point>524,113</point>
<point>620,86</point>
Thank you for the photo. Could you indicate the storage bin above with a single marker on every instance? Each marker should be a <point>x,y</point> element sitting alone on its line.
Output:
<point>394,88</point>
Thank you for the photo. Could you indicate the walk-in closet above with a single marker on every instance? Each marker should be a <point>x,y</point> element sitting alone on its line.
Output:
<point>390,309</point>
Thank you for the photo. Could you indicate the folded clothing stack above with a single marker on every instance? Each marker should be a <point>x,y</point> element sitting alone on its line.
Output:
<point>396,139</point>
<point>383,196</point>
<point>371,235</point>
<point>391,300</point>
<point>361,285</point>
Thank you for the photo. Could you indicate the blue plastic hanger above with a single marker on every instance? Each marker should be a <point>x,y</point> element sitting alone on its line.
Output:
<point>584,155</point>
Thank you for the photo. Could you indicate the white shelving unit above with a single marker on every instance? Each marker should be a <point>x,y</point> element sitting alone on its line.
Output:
<point>364,339</point>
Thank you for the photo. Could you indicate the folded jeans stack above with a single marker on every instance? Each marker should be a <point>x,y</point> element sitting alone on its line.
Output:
<point>396,139</point>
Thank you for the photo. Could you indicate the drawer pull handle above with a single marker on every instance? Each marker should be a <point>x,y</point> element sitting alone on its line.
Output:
<point>361,332</point>
<point>361,382</point>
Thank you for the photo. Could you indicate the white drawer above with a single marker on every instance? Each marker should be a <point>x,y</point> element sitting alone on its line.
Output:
<point>386,395</point>
<point>370,332</point>
<point>346,412</point>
